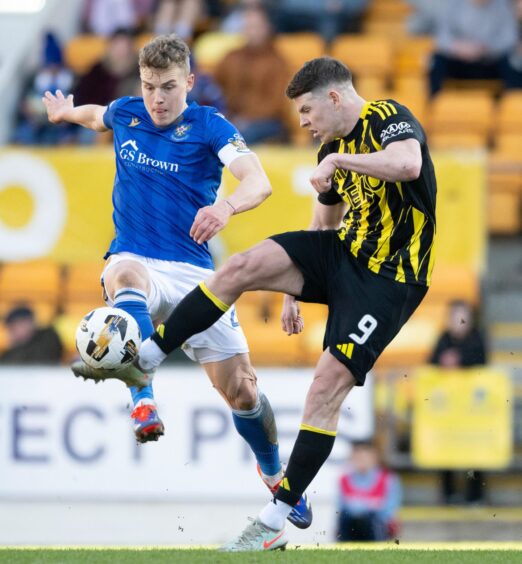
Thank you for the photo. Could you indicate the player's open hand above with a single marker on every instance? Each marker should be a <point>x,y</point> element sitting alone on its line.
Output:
<point>57,105</point>
<point>291,321</point>
<point>321,178</point>
<point>209,221</point>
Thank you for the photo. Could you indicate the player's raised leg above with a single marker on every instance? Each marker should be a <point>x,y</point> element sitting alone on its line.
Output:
<point>235,379</point>
<point>264,267</point>
<point>127,284</point>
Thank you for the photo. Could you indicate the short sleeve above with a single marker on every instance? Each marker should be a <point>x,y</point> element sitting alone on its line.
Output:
<point>224,138</point>
<point>112,108</point>
<point>389,127</point>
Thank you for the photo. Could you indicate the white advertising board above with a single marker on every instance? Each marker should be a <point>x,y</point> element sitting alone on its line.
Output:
<point>62,438</point>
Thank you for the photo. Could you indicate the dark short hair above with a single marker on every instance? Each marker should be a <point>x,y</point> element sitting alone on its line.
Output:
<point>316,74</point>
<point>19,312</point>
<point>163,51</point>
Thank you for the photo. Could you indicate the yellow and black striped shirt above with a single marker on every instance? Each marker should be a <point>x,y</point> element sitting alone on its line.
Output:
<point>389,226</point>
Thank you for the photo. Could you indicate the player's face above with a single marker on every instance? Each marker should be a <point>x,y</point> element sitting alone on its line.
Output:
<point>317,113</point>
<point>165,93</point>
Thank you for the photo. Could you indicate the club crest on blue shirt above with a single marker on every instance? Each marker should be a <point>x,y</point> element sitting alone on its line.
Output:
<point>181,132</point>
<point>239,143</point>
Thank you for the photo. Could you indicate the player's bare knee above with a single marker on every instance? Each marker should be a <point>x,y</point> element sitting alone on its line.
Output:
<point>126,275</point>
<point>242,394</point>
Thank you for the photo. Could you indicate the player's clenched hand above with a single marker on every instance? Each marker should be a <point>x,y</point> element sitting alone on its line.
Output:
<point>291,320</point>
<point>321,178</point>
<point>57,105</point>
<point>209,220</point>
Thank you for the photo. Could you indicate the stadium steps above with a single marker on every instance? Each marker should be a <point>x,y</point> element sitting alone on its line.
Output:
<point>432,523</point>
<point>423,488</point>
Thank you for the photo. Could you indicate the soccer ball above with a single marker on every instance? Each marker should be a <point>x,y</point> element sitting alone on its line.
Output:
<point>108,338</point>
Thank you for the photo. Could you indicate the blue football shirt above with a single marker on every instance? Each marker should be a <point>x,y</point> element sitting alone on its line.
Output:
<point>164,175</point>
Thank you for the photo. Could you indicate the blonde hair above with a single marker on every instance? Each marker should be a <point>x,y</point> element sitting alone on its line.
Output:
<point>163,51</point>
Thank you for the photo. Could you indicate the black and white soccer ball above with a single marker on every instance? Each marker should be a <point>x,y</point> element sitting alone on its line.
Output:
<point>108,338</point>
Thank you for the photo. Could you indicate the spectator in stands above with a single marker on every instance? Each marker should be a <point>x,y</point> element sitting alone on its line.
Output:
<point>206,91</point>
<point>369,498</point>
<point>423,20</point>
<point>104,17</point>
<point>254,79</point>
<point>461,345</point>
<point>178,16</point>
<point>27,343</point>
<point>329,18</point>
<point>473,41</point>
<point>233,21</point>
<point>112,77</point>
<point>32,126</point>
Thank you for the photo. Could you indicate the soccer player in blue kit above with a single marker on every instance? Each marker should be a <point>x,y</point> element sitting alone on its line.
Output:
<point>169,160</point>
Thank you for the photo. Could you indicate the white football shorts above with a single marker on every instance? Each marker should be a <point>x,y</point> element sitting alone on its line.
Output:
<point>170,282</point>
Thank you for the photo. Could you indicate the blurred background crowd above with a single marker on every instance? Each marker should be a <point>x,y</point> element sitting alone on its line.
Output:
<point>458,66</point>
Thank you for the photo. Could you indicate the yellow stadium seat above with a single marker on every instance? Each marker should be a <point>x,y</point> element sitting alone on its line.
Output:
<point>82,287</point>
<point>365,55</point>
<point>210,48</point>
<point>509,113</point>
<point>504,213</point>
<point>297,48</point>
<point>4,343</point>
<point>509,145</point>
<point>36,284</point>
<point>443,141</point>
<point>83,51</point>
<point>457,112</point>
<point>372,87</point>
<point>142,39</point>
<point>38,280</point>
<point>451,283</point>
<point>413,54</point>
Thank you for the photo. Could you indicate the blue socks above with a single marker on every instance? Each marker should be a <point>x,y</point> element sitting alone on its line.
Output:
<point>134,302</point>
<point>257,426</point>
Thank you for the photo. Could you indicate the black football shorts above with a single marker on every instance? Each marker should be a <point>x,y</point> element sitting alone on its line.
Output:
<point>365,310</point>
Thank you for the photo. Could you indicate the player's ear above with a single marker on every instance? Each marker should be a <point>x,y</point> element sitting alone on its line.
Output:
<point>335,98</point>
<point>190,82</point>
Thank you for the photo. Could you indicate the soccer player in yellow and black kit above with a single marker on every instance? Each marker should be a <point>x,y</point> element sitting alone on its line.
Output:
<point>375,178</point>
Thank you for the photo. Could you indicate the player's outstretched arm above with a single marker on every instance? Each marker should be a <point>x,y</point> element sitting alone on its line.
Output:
<point>253,188</point>
<point>60,108</point>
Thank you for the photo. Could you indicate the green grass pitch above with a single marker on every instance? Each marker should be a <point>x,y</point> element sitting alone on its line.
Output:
<point>458,553</point>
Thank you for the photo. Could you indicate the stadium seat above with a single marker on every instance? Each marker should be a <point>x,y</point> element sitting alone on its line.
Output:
<point>297,48</point>
<point>365,55</point>
<point>443,141</point>
<point>143,38</point>
<point>210,48</point>
<point>509,113</point>
<point>453,282</point>
<point>504,213</point>
<point>372,87</point>
<point>412,55</point>
<point>455,112</point>
<point>386,17</point>
<point>82,287</point>
<point>36,284</point>
<point>509,145</point>
<point>83,51</point>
